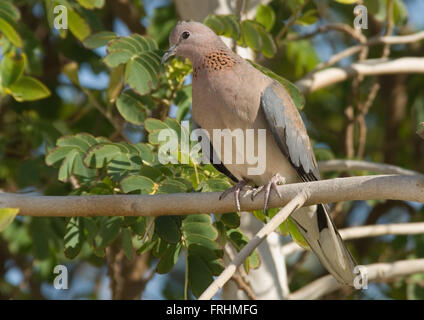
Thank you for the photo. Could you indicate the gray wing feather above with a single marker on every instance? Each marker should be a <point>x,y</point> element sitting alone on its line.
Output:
<point>289,131</point>
<point>318,230</point>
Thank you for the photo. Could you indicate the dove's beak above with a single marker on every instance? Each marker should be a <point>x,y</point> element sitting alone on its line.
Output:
<point>169,53</point>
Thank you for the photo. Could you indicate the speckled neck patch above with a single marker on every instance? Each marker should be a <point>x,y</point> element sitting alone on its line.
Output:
<point>214,61</point>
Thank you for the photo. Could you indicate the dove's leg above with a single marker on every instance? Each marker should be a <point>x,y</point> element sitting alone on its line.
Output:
<point>273,183</point>
<point>236,190</point>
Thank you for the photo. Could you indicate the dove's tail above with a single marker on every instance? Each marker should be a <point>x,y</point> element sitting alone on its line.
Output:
<point>322,236</point>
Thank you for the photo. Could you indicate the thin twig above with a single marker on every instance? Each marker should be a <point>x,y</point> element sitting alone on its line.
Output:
<point>375,272</point>
<point>367,232</point>
<point>389,28</point>
<point>242,285</point>
<point>373,67</point>
<point>279,218</point>
<point>345,165</point>
<point>389,40</point>
<point>290,22</point>
<point>375,87</point>
<point>330,27</point>
<point>109,117</point>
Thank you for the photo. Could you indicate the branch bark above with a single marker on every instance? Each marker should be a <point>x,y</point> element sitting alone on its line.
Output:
<point>344,165</point>
<point>386,40</point>
<point>366,232</point>
<point>376,272</point>
<point>394,187</point>
<point>373,67</point>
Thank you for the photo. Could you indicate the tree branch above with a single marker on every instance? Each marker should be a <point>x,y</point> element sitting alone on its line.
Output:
<point>376,272</point>
<point>386,40</point>
<point>394,187</point>
<point>242,285</point>
<point>345,165</point>
<point>330,27</point>
<point>373,67</point>
<point>282,215</point>
<point>366,232</point>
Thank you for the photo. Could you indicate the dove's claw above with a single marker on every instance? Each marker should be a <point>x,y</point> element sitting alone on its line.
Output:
<point>236,190</point>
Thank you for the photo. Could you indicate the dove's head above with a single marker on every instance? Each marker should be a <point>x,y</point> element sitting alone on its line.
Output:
<point>192,40</point>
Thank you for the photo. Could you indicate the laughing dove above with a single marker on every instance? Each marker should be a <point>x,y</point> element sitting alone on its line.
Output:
<point>229,93</point>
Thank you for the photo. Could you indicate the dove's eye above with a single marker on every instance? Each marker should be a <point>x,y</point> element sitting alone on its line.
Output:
<point>185,35</point>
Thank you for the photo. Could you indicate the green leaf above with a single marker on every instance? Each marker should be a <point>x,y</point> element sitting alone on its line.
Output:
<point>206,244</point>
<point>295,94</point>
<point>265,15</point>
<point>215,24</point>
<point>115,83</point>
<point>65,170</point>
<point>373,6</point>
<point>7,215</point>
<point>131,108</point>
<point>214,185</point>
<point>40,232</point>
<point>323,154</point>
<point>224,25</point>
<point>231,220</point>
<point>99,39</point>
<point>77,25</point>
<point>252,262</point>
<point>269,48</point>
<point>251,36</point>
<point>73,237</point>
<point>101,154</point>
<point>28,89</point>
<point>12,67</point>
<point>121,165</point>
<point>108,230</point>
<point>90,229</point>
<point>346,1</point>
<point>308,18</point>
<point>152,124</point>
<point>139,227</point>
<point>145,153</point>
<point>8,10</point>
<point>239,240</point>
<point>160,248</point>
<point>199,228</point>
<point>78,142</point>
<point>92,4</point>
<point>169,258</point>
<point>172,186</point>
<point>400,12</point>
<point>142,72</point>
<point>10,33</point>
<point>137,183</point>
<point>296,235</point>
<point>127,242</point>
<point>71,71</point>
<point>200,275</point>
<point>83,173</point>
<point>147,246</point>
<point>122,49</point>
<point>168,229</point>
<point>203,218</point>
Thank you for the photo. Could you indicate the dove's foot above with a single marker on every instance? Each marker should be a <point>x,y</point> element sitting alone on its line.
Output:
<point>273,183</point>
<point>236,191</point>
